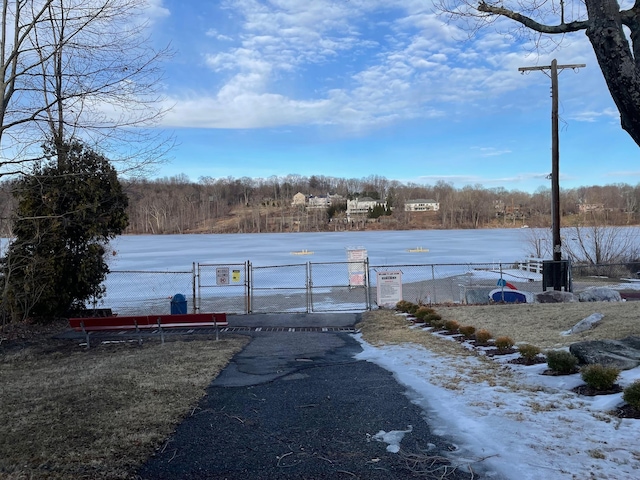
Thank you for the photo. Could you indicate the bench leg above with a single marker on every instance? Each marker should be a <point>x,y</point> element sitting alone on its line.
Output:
<point>86,334</point>
<point>160,328</point>
<point>138,332</point>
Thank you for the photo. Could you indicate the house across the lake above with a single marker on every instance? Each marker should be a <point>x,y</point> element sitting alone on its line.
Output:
<point>421,205</point>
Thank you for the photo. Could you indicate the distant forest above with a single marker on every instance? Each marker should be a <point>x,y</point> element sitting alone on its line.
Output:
<point>247,205</point>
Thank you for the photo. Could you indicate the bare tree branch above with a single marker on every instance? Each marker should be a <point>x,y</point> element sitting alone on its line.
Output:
<point>530,23</point>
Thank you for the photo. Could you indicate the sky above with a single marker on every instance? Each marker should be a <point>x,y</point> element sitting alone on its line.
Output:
<point>354,88</point>
<point>525,426</point>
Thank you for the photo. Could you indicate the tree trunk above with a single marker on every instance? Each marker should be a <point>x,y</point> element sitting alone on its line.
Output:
<point>616,60</point>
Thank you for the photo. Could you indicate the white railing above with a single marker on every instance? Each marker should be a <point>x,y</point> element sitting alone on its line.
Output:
<point>531,265</point>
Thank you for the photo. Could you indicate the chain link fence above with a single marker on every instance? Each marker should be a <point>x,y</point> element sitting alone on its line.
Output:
<point>222,288</point>
<point>145,292</point>
<point>331,287</point>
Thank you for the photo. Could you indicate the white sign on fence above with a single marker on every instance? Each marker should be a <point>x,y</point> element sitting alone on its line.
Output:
<point>356,267</point>
<point>389,287</point>
<point>222,276</point>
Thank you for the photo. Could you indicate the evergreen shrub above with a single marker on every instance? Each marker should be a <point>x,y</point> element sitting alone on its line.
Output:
<point>600,377</point>
<point>561,361</point>
<point>504,343</point>
<point>423,312</point>
<point>483,336</point>
<point>403,306</point>
<point>451,326</point>
<point>631,395</point>
<point>467,330</point>
<point>436,321</point>
<point>528,352</point>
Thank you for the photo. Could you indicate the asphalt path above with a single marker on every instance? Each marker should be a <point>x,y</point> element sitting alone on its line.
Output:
<point>296,404</point>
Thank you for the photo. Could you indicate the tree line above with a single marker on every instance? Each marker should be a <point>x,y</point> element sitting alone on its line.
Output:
<point>252,205</point>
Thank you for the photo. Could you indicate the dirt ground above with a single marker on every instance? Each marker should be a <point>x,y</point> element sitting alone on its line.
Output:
<point>542,324</point>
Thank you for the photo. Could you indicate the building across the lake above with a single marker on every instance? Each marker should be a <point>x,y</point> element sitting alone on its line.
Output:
<point>421,205</point>
<point>316,201</point>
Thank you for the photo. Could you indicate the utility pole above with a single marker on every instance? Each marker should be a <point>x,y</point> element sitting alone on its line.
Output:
<point>555,151</point>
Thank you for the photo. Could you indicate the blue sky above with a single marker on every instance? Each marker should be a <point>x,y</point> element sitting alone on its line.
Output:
<point>353,88</point>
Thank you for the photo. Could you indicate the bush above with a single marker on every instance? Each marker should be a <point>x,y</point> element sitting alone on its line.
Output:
<point>423,312</point>
<point>403,306</point>
<point>451,326</point>
<point>600,377</point>
<point>413,308</point>
<point>528,352</point>
<point>467,331</point>
<point>504,343</point>
<point>430,318</point>
<point>483,336</point>
<point>561,361</point>
<point>436,321</point>
<point>67,208</point>
<point>631,395</point>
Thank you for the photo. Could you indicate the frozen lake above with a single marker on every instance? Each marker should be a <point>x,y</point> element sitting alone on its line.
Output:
<point>147,270</point>
<point>178,252</point>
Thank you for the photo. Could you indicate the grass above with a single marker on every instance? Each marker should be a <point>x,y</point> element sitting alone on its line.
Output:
<point>542,324</point>
<point>68,412</point>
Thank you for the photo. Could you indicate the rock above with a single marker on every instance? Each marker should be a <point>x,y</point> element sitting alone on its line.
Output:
<point>477,296</point>
<point>585,324</point>
<point>556,296</point>
<point>623,354</point>
<point>599,294</point>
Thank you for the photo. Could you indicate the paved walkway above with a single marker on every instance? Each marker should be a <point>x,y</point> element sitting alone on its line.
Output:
<point>295,404</point>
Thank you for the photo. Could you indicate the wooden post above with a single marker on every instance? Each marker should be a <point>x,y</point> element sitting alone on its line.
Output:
<point>555,160</point>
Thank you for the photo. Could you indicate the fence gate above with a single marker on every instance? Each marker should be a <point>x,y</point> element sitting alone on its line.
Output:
<point>339,286</point>
<point>223,287</point>
<point>279,289</point>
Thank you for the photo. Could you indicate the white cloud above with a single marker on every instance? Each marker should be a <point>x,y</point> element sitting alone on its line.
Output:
<point>154,9</point>
<point>212,32</point>
<point>488,181</point>
<point>363,76</point>
<point>592,116</point>
<point>491,151</point>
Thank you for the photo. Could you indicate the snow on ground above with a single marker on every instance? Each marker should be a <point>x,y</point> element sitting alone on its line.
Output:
<point>515,423</point>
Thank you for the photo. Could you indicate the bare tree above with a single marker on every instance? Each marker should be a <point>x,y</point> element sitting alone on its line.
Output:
<point>78,69</point>
<point>608,27</point>
<point>601,244</point>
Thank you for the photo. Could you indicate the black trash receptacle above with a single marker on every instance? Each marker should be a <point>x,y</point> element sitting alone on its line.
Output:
<point>178,304</point>
<point>556,274</point>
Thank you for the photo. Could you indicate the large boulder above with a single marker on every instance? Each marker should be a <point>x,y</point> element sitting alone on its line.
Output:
<point>599,294</point>
<point>555,296</point>
<point>623,354</point>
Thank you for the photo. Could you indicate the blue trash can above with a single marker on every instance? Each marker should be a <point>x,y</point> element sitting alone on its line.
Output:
<point>178,304</point>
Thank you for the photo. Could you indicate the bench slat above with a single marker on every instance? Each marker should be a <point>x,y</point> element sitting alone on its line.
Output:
<point>150,321</point>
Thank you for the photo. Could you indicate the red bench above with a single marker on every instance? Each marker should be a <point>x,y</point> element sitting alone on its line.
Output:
<point>149,321</point>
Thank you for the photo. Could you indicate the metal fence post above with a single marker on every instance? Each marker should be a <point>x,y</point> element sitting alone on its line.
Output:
<point>309,290</point>
<point>367,284</point>
<point>433,282</point>
<point>248,290</point>
<point>195,306</point>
